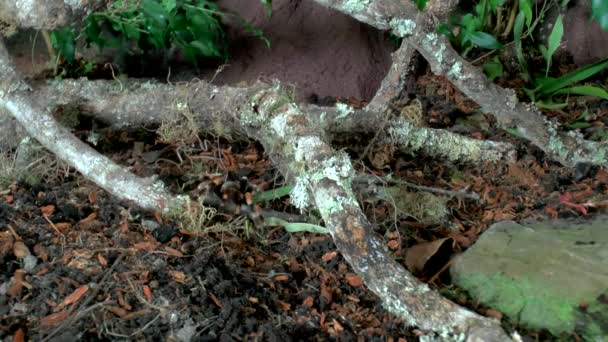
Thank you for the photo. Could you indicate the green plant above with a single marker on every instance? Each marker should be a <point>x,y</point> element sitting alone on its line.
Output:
<point>420,4</point>
<point>471,29</point>
<point>139,27</point>
<point>599,12</point>
<point>554,39</point>
<point>546,88</point>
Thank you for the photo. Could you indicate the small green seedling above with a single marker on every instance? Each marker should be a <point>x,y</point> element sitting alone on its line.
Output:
<point>296,227</point>
<point>547,87</point>
<point>554,40</point>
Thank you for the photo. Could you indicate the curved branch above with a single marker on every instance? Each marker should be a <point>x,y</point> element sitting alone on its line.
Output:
<point>144,103</point>
<point>39,123</point>
<point>324,177</point>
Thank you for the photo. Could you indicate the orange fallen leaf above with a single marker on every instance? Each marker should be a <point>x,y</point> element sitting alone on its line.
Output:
<point>494,313</point>
<point>63,226</point>
<point>19,336</point>
<point>148,293</point>
<point>18,283</point>
<point>354,280</point>
<point>48,210</point>
<point>146,245</point>
<point>174,252</point>
<point>88,219</point>
<point>54,319</point>
<point>73,297</point>
<point>118,311</point>
<point>93,196</point>
<point>284,306</point>
<point>8,198</point>
<point>418,255</point>
<point>102,260</point>
<point>393,244</point>
<point>20,250</point>
<point>135,314</point>
<point>281,277</point>
<point>328,256</point>
<point>309,301</point>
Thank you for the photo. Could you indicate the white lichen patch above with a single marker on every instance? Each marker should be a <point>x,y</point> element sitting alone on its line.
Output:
<point>304,146</point>
<point>329,202</point>
<point>279,125</point>
<point>337,168</point>
<point>344,110</point>
<point>432,45</point>
<point>456,71</point>
<point>402,27</point>
<point>300,195</point>
<point>353,6</point>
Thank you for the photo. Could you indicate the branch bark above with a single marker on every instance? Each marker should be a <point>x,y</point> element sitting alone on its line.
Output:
<point>16,97</point>
<point>133,104</point>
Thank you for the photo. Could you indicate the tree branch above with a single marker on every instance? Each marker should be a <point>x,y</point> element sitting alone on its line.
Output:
<point>419,30</point>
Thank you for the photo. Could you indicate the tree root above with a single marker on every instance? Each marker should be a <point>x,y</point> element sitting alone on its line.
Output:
<point>140,104</point>
<point>17,100</point>
<point>419,31</point>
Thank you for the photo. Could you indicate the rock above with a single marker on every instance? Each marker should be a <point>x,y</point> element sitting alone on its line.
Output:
<point>546,275</point>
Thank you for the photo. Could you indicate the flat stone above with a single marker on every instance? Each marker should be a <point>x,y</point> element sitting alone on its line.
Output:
<point>547,275</point>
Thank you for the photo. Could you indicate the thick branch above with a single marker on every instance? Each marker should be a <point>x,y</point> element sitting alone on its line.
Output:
<point>324,178</point>
<point>42,14</point>
<point>18,101</point>
<point>134,104</point>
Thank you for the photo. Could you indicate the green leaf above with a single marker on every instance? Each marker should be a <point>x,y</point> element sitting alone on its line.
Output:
<point>268,6</point>
<point>169,5</point>
<point>296,227</point>
<point>554,39</point>
<point>155,11</point>
<point>599,12</point>
<point>579,125</point>
<point>484,40</point>
<point>584,91</point>
<point>420,4</point>
<point>525,8</point>
<point>205,47</point>
<point>93,31</point>
<point>256,32</point>
<point>549,86</point>
<point>517,35</point>
<point>64,41</point>
<point>550,105</point>
<point>272,194</point>
<point>493,68</point>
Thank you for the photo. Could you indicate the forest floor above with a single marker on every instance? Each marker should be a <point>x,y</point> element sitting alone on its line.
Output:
<point>78,265</point>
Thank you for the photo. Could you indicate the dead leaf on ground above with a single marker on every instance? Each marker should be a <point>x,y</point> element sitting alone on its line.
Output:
<point>73,297</point>
<point>54,319</point>
<point>418,255</point>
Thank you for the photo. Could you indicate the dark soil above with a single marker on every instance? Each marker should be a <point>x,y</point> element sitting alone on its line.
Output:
<point>100,274</point>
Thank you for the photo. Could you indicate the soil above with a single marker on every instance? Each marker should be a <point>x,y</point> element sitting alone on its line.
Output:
<point>98,270</point>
